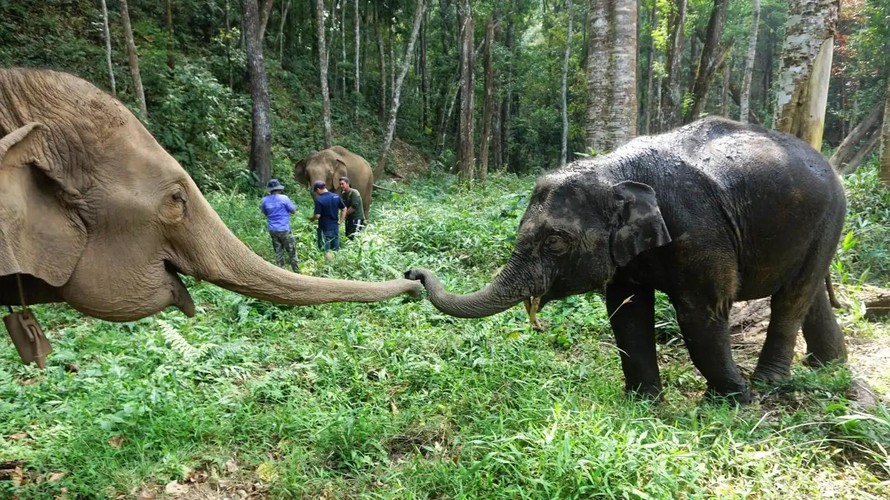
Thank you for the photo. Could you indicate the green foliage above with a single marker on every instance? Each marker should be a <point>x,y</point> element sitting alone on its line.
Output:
<point>863,254</point>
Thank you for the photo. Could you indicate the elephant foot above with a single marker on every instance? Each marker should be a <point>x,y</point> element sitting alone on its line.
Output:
<point>740,395</point>
<point>817,359</point>
<point>644,392</point>
<point>771,376</point>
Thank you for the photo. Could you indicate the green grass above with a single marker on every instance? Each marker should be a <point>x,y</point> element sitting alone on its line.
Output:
<point>396,400</point>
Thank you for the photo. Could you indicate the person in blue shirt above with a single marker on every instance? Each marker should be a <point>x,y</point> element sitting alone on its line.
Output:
<point>277,208</point>
<point>330,210</point>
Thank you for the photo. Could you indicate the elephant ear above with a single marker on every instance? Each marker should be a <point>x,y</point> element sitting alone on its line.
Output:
<point>638,225</point>
<point>42,235</point>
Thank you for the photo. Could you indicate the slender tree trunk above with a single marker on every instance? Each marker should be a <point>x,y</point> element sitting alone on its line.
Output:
<point>745,98</point>
<point>323,73</point>
<point>651,102</point>
<point>565,83</point>
<point>397,89</point>
<point>868,146</point>
<point>805,69</point>
<point>261,136</point>
<point>343,48</point>
<point>670,91</point>
<point>724,91</point>
<point>884,160</point>
<point>108,49</point>
<point>465,151</point>
<point>497,136</point>
<point>134,58</point>
<point>848,148</point>
<point>424,78</point>
<point>285,5</point>
<point>229,47</point>
<point>168,8</point>
<point>611,74</point>
<point>488,100</point>
<point>357,55</point>
<point>381,46</point>
<point>711,58</point>
<point>265,12</point>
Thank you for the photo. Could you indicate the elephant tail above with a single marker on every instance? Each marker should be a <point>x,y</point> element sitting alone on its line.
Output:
<point>831,296</point>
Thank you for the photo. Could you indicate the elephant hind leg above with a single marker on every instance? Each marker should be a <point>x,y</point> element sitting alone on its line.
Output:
<point>788,308</point>
<point>825,341</point>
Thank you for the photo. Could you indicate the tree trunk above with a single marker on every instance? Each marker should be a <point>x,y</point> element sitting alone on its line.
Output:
<point>650,74</point>
<point>397,90</point>
<point>343,48</point>
<point>265,12</point>
<point>724,91</point>
<point>712,55</point>
<point>465,151</point>
<point>380,45</point>
<point>565,83</point>
<point>670,92</point>
<point>488,102</point>
<point>611,74</point>
<point>323,73</point>
<point>884,162</point>
<point>357,54</point>
<point>261,135</point>
<point>168,8</point>
<point>285,5</point>
<point>871,142</point>
<point>805,69</point>
<point>134,58</point>
<point>745,98</point>
<point>108,49</point>
<point>424,78</point>
<point>851,143</point>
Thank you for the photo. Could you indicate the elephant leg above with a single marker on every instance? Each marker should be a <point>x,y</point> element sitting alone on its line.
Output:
<point>633,323</point>
<point>705,328</point>
<point>825,341</point>
<point>788,307</point>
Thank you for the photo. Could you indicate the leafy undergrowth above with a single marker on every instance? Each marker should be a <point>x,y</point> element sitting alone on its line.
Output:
<point>396,400</point>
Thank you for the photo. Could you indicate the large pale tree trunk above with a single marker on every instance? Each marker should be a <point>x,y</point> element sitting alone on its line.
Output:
<point>108,49</point>
<point>564,153</point>
<point>323,73</point>
<point>134,58</point>
<point>712,57</point>
<point>884,161</point>
<point>397,91</point>
<point>804,73</point>
<point>261,135</point>
<point>745,98</point>
<point>465,151</point>
<point>488,102</point>
<point>670,88</point>
<point>611,74</point>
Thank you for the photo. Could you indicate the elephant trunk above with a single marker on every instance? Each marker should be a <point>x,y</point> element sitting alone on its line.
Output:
<point>508,289</point>
<point>216,255</point>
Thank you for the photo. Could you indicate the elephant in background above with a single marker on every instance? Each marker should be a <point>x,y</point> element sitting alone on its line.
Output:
<point>330,164</point>
<point>711,213</point>
<point>95,213</point>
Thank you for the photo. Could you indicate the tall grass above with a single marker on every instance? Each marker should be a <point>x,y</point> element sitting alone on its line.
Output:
<point>396,400</point>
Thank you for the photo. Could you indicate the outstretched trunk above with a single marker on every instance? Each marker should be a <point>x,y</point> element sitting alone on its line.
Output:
<point>210,252</point>
<point>510,287</point>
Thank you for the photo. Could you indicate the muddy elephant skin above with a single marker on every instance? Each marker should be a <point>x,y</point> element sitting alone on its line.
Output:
<point>329,165</point>
<point>94,212</point>
<point>711,213</point>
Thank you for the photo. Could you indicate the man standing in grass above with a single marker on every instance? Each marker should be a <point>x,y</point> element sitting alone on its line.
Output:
<point>277,208</point>
<point>355,213</point>
<point>329,212</point>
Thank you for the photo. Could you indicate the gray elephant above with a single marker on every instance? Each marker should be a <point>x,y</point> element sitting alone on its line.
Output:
<point>330,164</point>
<point>94,212</point>
<point>711,213</point>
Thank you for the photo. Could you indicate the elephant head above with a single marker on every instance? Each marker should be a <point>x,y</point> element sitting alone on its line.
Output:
<point>95,213</point>
<point>330,164</point>
<point>577,230</point>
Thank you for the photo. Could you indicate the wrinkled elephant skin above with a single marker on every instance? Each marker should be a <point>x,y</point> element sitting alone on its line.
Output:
<point>709,214</point>
<point>94,212</point>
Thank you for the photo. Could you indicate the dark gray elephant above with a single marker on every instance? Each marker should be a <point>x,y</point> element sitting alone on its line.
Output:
<point>711,213</point>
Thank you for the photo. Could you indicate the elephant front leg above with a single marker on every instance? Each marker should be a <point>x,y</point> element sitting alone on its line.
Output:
<point>632,315</point>
<point>705,329</point>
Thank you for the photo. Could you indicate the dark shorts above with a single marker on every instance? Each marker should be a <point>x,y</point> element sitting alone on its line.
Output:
<point>329,239</point>
<point>353,226</point>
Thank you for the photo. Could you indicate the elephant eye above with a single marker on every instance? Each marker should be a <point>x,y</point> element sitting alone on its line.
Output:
<point>555,243</point>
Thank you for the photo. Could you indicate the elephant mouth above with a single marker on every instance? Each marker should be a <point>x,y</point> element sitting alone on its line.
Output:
<point>181,297</point>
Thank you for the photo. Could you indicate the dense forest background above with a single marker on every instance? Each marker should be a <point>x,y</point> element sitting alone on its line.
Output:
<point>193,60</point>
